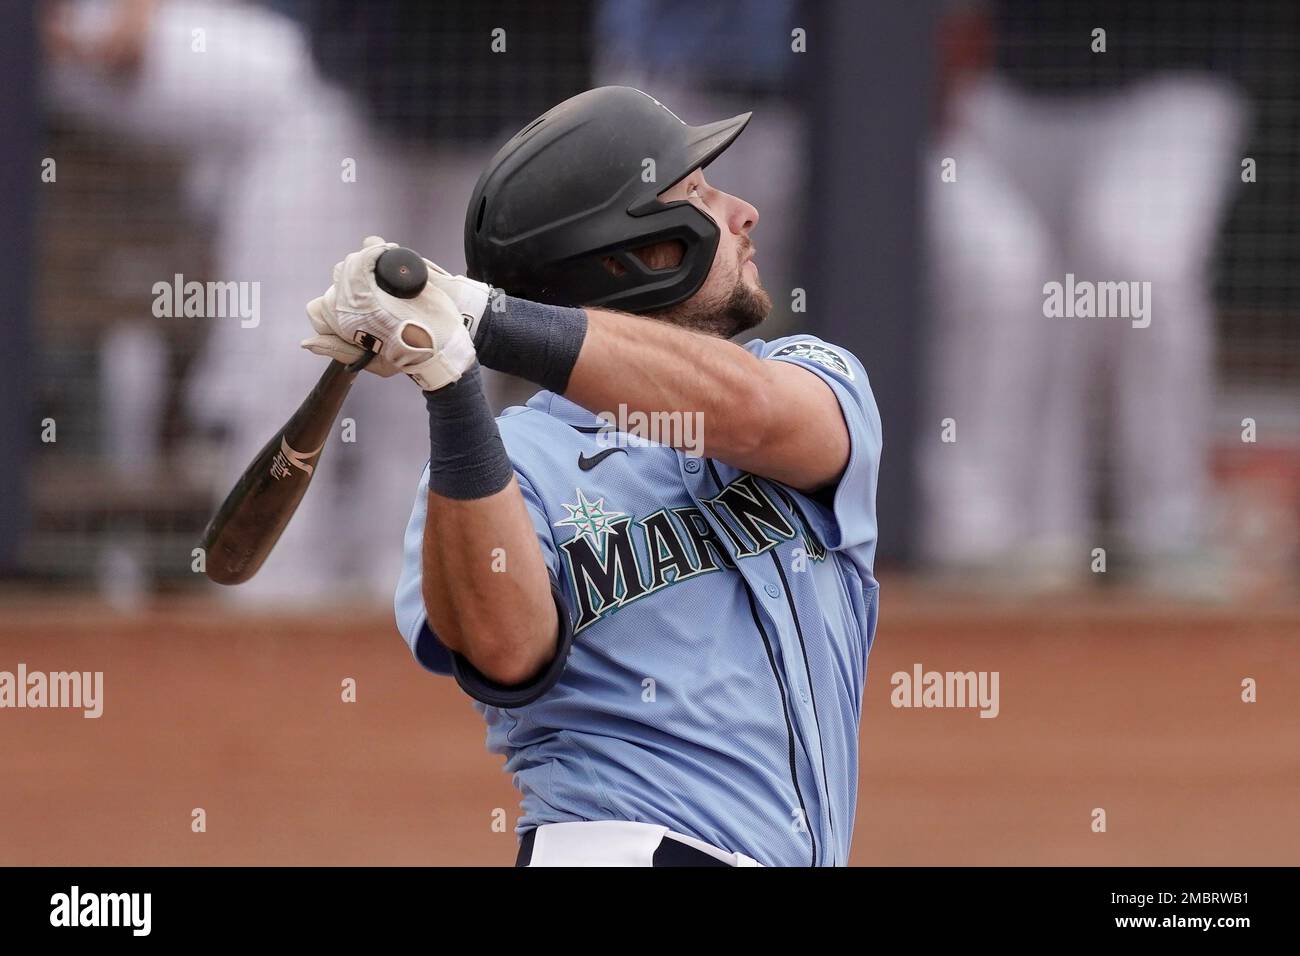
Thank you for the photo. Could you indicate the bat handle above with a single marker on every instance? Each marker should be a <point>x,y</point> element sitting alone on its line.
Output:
<point>360,363</point>
<point>401,272</point>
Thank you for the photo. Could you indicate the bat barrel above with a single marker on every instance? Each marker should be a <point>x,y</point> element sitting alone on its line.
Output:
<point>255,513</point>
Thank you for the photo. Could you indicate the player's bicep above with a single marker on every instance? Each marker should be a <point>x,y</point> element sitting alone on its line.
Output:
<point>851,498</point>
<point>805,441</point>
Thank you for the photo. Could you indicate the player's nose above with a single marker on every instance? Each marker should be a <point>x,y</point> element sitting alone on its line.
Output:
<point>741,216</point>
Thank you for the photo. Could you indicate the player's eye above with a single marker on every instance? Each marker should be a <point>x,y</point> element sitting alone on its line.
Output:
<point>694,192</point>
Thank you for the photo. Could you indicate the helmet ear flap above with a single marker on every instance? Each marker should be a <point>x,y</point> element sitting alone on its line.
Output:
<point>648,260</point>
<point>664,264</point>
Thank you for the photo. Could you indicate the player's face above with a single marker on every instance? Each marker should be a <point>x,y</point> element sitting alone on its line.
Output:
<point>732,299</point>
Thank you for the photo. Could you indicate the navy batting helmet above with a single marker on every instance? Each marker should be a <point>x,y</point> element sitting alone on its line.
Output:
<point>580,185</point>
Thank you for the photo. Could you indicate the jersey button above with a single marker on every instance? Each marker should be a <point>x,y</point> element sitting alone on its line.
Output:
<point>772,590</point>
<point>692,465</point>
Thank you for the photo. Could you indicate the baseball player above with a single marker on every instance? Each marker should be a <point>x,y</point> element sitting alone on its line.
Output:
<point>665,628</point>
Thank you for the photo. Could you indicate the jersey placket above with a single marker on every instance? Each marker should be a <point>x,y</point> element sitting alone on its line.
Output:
<point>775,606</point>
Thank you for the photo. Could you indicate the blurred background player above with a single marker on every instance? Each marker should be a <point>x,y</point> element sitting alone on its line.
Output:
<point>1110,164</point>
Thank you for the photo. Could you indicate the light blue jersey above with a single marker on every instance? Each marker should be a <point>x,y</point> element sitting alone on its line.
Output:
<point>714,636</point>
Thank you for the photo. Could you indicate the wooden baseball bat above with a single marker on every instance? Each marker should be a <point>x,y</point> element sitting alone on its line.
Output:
<point>257,510</point>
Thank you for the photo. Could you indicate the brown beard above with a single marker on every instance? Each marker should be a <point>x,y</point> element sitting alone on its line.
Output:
<point>738,311</point>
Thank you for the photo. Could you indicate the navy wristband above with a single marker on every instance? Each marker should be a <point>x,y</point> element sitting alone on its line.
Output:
<point>534,341</point>
<point>467,459</point>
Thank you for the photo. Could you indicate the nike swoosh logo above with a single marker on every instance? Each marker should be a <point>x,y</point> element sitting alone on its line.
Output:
<point>587,463</point>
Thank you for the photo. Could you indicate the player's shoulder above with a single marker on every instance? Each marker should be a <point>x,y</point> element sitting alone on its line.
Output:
<point>806,349</point>
<point>544,409</point>
<point>545,426</point>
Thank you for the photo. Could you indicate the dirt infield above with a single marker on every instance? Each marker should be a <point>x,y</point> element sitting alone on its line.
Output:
<point>1123,706</point>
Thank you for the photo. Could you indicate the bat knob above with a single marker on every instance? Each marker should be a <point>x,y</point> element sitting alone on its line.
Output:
<point>401,272</point>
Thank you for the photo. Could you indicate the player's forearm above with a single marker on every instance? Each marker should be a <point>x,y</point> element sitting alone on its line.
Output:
<point>770,418</point>
<point>484,582</point>
<point>485,585</point>
<point>654,367</point>
<point>601,360</point>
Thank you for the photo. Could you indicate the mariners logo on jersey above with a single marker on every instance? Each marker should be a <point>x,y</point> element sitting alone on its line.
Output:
<point>817,352</point>
<point>615,558</point>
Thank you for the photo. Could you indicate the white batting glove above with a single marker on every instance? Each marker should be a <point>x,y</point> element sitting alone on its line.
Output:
<point>470,295</point>
<point>424,337</point>
<point>331,346</point>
